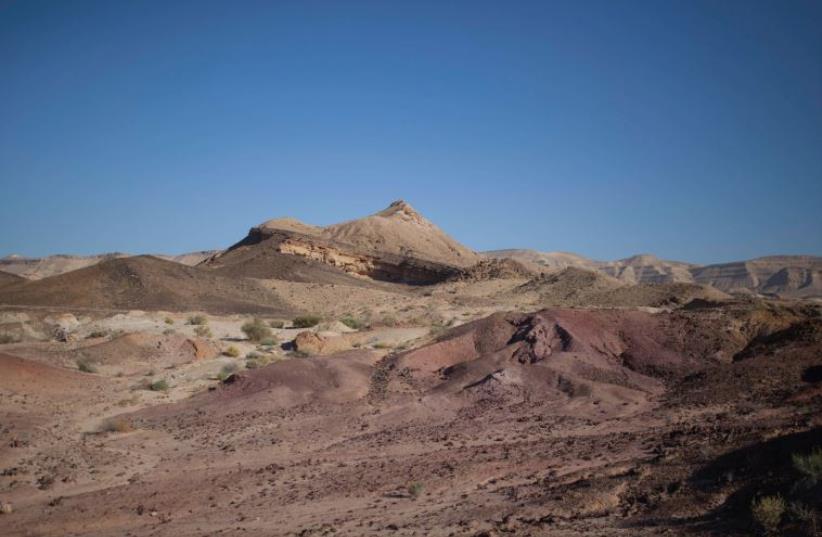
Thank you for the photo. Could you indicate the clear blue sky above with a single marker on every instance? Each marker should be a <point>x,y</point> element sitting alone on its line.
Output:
<point>692,129</point>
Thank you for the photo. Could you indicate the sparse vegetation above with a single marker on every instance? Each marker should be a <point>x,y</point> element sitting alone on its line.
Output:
<point>198,320</point>
<point>116,425</point>
<point>169,331</point>
<point>258,360</point>
<point>389,321</point>
<point>381,345</point>
<point>810,466</point>
<point>227,371</point>
<point>159,386</point>
<point>805,514</point>
<point>202,331</point>
<point>351,322</point>
<point>256,330</point>
<point>768,511</point>
<point>232,352</point>
<point>305,321</point>
<point>86,366</point>
<point>169,320</point>
<point>97,334</point>
<point>414,490</point>
<point>8,338</point>
<point>276,324</point>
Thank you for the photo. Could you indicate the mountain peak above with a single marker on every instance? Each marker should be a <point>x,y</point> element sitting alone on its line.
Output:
<point>402,209</point>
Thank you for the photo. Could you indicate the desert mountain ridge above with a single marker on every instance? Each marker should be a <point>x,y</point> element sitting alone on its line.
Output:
<point>794,276</point>
<point>36,268</point>
<point>396,230</point>
<point>398,244</point>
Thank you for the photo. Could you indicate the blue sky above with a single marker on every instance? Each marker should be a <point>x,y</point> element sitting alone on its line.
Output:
<point>692,130</point>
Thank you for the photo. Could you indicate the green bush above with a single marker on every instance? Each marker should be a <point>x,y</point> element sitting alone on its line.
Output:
<point>388,321</point>
<point>256,330</point>
<point>227,371</point>
<point>232,351</point>
<point>158,386</point>
<point>414,490</point>
<point>198,320</point>
<point>86,366</point>
<point>258,360</point>
<point>305,321</point>
<point>169,320</point>
<point>276,324</point>
<point>202,331</point>
<point>810,465</point>
<point>767,512</point>
<point>352,323</point>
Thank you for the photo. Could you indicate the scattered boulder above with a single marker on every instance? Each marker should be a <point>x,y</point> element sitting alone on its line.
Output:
<point>317,344</point>
<point>203,349</point>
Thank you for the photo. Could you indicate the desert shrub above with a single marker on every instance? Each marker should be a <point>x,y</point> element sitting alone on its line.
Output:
<point>269,342</point>
<point>159,385</point>
<point>8,338</point>
<point>256,330</point>
<point>276,324</point>
<point>810,466</point>
<point>767,512</point>
<point>232,351</point>
<point>86,366</point>
<point>198,320</point>
<point>805,514</point>
<point>169,320</point>
<point>169,331</point>
<point>414,490</point>
<point>388,320</point>
<point>202,331</point>
<point>227,371</point>
<point>381,345</point>
<point>116,425</point>
<point>305,321</point>
<point>352,323</point>
<point>97,334</point>
<point>259,360</point>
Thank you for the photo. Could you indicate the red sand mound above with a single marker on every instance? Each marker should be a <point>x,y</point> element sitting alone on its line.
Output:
<point>131,350</point>
<point>608,359</point>
<point>22,376</point>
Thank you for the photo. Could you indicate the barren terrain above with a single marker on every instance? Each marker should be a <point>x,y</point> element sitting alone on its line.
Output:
<point>314,381</point>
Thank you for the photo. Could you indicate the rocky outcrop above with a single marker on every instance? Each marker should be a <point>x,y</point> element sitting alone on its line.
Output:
<point>788,276</point>
<point>493,269</point>
<point>271,241</point>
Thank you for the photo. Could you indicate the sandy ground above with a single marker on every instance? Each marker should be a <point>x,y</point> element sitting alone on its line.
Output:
<point>436,420</point>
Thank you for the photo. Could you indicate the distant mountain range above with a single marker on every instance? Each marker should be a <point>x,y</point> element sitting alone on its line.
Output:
<point>798,276</point>
<point>399,245</point>
<point>36,268</point>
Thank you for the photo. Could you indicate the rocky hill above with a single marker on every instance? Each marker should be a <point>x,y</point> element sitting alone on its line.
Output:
<point>145,283</point>
<point>396,244</point>
<point>36,268</point>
